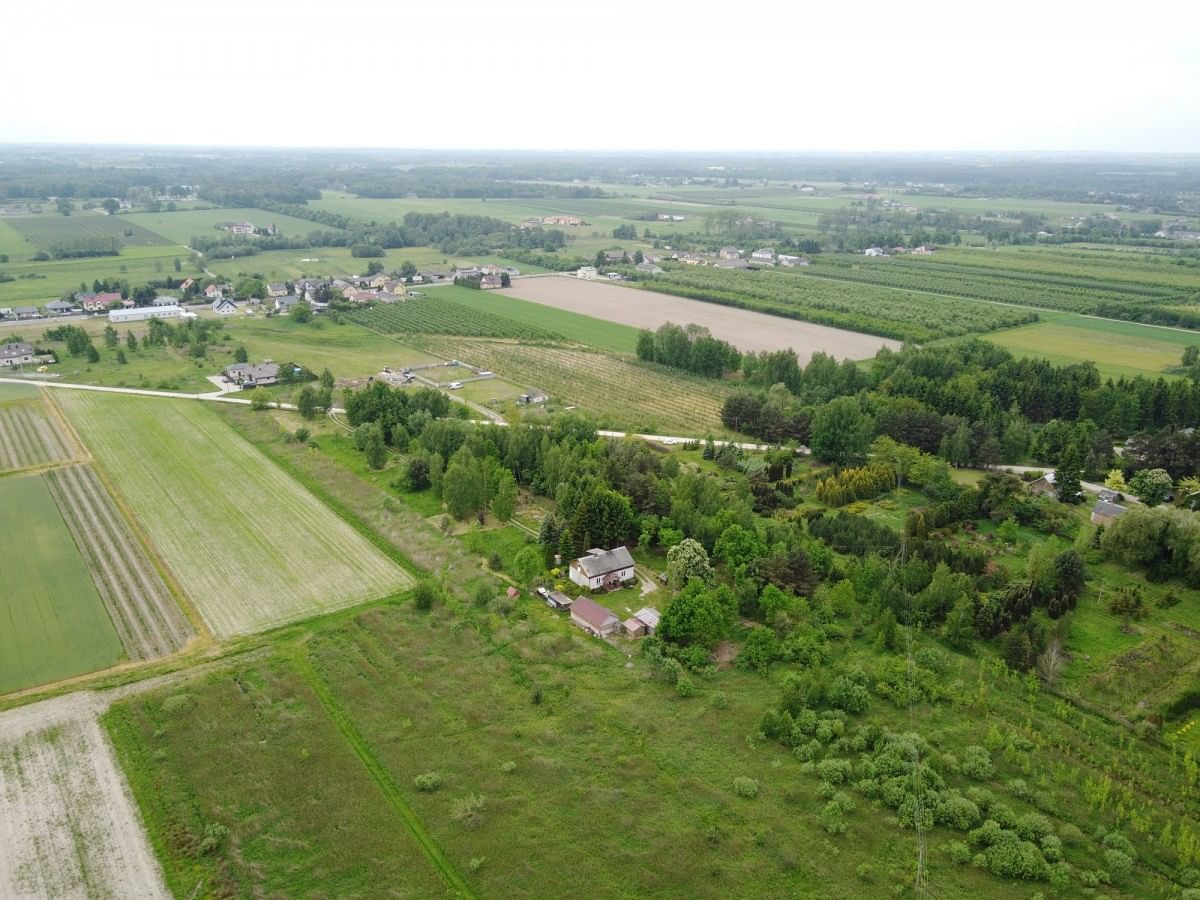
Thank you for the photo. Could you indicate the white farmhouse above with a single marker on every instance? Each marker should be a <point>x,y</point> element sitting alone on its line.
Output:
<point>603,568</point>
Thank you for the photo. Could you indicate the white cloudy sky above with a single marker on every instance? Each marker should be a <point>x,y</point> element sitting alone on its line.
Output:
<point>623,74</point>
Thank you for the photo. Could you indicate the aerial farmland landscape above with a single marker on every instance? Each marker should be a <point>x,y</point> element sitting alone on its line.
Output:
<point>462,451</point>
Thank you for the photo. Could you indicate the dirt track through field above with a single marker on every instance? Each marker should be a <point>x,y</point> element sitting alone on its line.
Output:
<point>148,621</point>
<point>745,329</point>
<point>68,826</point>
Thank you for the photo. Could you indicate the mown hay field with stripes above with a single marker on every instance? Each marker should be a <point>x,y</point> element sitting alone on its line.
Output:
<point>250,547</point>
<point>53,624</point>
<point>146,616</point>
<point>30,437</point>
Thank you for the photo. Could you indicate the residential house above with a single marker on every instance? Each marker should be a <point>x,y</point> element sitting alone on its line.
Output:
<point>588,273</point>
<point>223,306</point>
<point>60,308</point>
<point>26,312</point>
<point>214,290</point>
<point>283,304</point>
<point>1042,487</point>
<point>249,375</point>
<point>729,253</point>
<point>165,301</point>
<point>378,281</point>
<point>187,283</point>
<point>464,274</point>
<point>17,353</point>
<point>925,249</point>
<point>103,300</point>
<point>764,256</point>
<point>593,618</point>
<point>491,269</point>
<point>1105,513</point>
<point>83,297</point>
<point>431,277</point>
<point>874,251</point>
<point>649,268</point>
<point>354,295</point>
<point>791,262</point>
<point>490,282</point>
<point>277,289</point>
<point>642,622</point>
<point>388,297</point>
<point>615,257</point>
<point>238,228</point>
<point>731,264</point>
<point>603,568</point>
<point>692,259</point>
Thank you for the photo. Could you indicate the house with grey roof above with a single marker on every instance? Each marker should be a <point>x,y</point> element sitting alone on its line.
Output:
<point>248,375</point>
<point>61,308</point>
<point>16,353</point>
<point>1105,513</point>
<point>603,568</point>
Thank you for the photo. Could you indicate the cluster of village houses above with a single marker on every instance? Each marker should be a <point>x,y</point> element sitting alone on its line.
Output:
<point>923,250</point>
<point>281,296</point>
<point>725,258</point>
<point>602,570</point>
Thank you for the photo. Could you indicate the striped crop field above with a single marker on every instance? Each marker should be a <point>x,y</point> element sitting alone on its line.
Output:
<point>147,619</point>
<point>250,547</point>
<point>30,437</point>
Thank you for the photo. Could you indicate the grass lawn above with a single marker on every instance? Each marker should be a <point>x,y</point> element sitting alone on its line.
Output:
<point>52,622</point>
<point>1117,348</point>
<point>40,282</point>
<point>506,541</point>
<point>250,546</point>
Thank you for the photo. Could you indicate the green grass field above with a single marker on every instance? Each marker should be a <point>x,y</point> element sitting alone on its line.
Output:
<point>250,546</point>
<point>14,244</point>
<point>47,232</point>
<point>41,281</point>
<point>1117,348</point>
<point>52,622</point>
<point>584,329</point>
<point>181,226</point>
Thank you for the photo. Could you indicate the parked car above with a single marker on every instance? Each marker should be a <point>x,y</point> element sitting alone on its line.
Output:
<point>455,385</point>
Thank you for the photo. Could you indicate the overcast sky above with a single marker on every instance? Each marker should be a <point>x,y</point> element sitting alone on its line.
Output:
<point>624,74</point>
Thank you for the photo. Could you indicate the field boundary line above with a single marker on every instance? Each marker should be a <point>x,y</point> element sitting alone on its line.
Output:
<point>345,725</point>
<point>82,453</point>
<point>203,635</point>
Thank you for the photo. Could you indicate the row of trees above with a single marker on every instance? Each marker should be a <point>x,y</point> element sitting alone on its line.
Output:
<point>691,348</point>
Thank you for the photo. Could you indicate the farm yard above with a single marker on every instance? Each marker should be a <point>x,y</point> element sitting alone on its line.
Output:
<point>620,394</point>
<point>745,329</point>
<point>147,619</point>
<point>55,622</point>
<point>30,437</point>
<point>241,537</point>
<point>68,826</point>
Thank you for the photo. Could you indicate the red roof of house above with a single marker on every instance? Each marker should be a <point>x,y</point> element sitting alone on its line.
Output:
<point>592,612</point>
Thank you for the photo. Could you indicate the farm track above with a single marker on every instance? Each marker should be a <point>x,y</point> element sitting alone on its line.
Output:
<point>341,719</point>
<point>29,438</point>
<point>146,617</point>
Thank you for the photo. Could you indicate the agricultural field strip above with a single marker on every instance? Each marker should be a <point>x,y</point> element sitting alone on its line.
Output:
<point>214,507</point>
<point>68,825</point>
<point>30,438</point>
<point>46,232</point>
<point>746,329</point>
<point>635,396</point>
<point>148,621</point>
<point>431,315</point>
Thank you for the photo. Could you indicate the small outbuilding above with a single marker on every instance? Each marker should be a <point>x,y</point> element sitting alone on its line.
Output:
<point>1105,513</point>
<point>1042,487</point>
<point>556,599</point>
<point>596,620</point>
